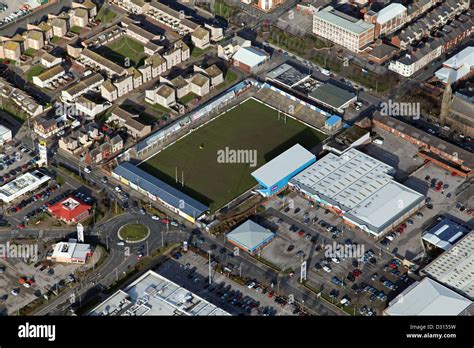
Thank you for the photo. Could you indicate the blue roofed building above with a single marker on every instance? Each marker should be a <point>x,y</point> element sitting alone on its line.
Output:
<point>444,234</point>
<point>333,123</point>
<point>158,190</point>
<point>274,175</point>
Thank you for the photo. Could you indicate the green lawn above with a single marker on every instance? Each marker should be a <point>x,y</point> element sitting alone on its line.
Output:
<point>133,232</point>
<point>75,29</point>
<point>123,50</point>
<point>250,126</point>
<point>105,15</point>
<point>187,98</point>
<point>34,71</point>
<point>30,52</point>
<point>197,52</point>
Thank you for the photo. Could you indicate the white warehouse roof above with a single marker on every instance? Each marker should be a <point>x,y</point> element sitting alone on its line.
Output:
<point>427,297</point>
<point>458,66</point>
<point>283,165</point>
<point>361,187</point>
<point>455,267</point>
<point>250,56</point>
<point>389,12</point>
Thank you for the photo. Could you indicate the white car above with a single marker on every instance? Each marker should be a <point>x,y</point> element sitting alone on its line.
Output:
<point>118,189</point>
<point>251,285</point>
<point>174,223</point>
<point>121,243</point>
<point>154,217</point>
<point>87,170</point>
<point>335,260</point>
<point>327,269</point>
<point>15,292</point>
<point>26,285</point>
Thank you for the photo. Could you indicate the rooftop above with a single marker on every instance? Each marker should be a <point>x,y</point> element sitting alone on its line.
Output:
<point>71,249</point>
<point>332,95</point>
<point>283,165</point>
<point>390,12</point>
<point>250,235</point>
<point>339,19</point>
<point>454,268</point>
<point>445,233</point>
<point>250,56</point>
<point>154,295</point>
<point>360,186</point>
<point>160,189</point>
<point>428,297</point>
<point>287,75</point>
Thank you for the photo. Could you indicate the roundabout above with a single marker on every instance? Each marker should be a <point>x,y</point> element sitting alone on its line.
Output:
<point>133,233</point>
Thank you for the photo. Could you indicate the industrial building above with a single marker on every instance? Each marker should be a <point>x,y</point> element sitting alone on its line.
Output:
<point>427,297</point>
<point>274,175</point>
<point>454,268</point>
<point>157,190</point>
<point>23,184</point>
<point>155,295</point>
<point>444,234</point>
<point>250,236</point>
<point>360,189</point>
<point>70,252</point>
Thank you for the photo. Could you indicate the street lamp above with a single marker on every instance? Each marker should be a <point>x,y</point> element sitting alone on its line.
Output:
<point>210,268</point>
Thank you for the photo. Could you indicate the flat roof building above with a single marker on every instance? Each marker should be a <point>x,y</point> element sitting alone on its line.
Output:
<point>5,135</point>
<point>158,190</point>
<point>287,75</point>
<point>22,185</point>
<point>274,175</point>
<point>444,234</point>
<point>458,66</point>
<point>454,268</point>
<point>154,295</point>
<point>342,29</point>
<point>360,189</point>
<point>333,97</point>
<point>249,58</point>
<point>250,236</point>
<point>70,252</point>
<point>427,297</point>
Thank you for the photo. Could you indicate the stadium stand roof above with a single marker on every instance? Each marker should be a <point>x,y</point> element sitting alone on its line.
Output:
<point>428,297</point>
<point>160,189</point>
<point>283,165</point>
<point>250,235</point>
<point>332,96</point>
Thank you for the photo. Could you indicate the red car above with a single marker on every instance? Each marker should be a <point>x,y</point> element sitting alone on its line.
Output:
<point>21,226</point>
<point>301,233</point>
<point>356,272</point>
<point>165,221</point>
<point>438,188</point>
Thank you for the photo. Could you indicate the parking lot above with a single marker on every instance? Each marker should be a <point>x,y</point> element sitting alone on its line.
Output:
<point>44,278</point>
<point>395,152</point>
<point>340,261</point>
<point>191,272</point>
<point>15,160</point>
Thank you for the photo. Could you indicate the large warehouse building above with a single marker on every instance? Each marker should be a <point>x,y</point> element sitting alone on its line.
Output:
<point>157,190</point>
<point>454,268</point>
<point>250,236</point>
<point>155,295</point>
<point>444,234</point>
<point>428,297</point>
<point>21,185</point>
<point>360,189</point>
<point>274,175</point>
